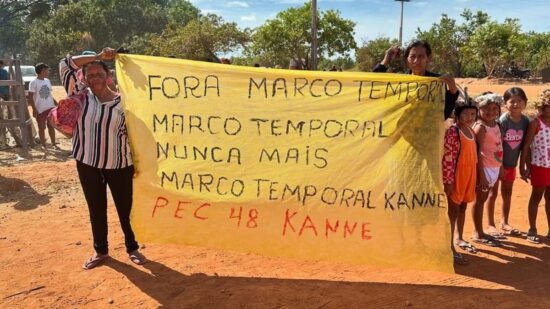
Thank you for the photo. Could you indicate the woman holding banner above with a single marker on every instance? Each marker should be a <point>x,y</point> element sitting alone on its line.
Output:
<point>417,57</point>
<point>411,133</point>
<point>101,149</point>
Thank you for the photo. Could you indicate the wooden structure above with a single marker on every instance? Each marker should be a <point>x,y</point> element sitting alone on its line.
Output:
<point>16,114</point>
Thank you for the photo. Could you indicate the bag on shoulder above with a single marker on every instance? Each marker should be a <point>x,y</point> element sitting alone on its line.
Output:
<point>64,116</point>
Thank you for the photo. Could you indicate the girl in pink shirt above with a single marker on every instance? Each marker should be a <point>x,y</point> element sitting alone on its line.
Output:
<point>489,167</point>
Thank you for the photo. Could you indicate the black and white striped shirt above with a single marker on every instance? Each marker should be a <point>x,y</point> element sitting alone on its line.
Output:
<point>100,138</point>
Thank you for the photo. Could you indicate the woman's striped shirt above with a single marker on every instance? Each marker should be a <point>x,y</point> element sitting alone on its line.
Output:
<point>100,138</point>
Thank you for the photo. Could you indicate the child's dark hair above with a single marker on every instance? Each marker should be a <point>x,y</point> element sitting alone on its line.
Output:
<point>96,62</point>
<point>462,105</point>
<point>40,66</point>
<point>461,108</point>
<point>418,43</point>
<point>515,91</point>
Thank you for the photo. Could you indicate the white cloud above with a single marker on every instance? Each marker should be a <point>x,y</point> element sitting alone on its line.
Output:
<point>210,11</point>
<point>237,4</point>
<point>251,17</point>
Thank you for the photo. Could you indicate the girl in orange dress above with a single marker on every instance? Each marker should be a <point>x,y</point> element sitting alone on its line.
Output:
<point>460,171</point>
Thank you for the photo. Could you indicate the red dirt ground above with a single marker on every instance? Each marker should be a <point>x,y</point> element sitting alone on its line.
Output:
<point>45,237</point>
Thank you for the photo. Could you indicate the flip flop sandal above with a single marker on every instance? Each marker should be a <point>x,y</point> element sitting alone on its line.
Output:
<point>511,232</point>
<point>534,239</point>
<point>137,258</point>
<point>488,241</point>
<point>497,235</point>
<point>94,261</point>
<point>491,237</point>
<point>459,259</point>
<point>466,246</point>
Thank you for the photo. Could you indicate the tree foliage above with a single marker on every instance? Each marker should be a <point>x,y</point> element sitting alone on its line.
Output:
<point>46,30</point>
<point>288,35</point>
<point>181,12</point>
<point>537,55</point>
<point>92,24</point>
<point>344,63</point>
<point>449,41</point>
<point>372,52</point>
<point>446,40</point>
<point>11,10</point>
<point>12,38</point>
<point>480,46</point>
<point>201,39</point>
<point>496,44</point>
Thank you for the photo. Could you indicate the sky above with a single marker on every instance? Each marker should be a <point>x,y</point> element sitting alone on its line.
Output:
<point>376,18</point>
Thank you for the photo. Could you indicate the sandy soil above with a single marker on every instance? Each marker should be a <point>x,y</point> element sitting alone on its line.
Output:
<point>45,237</point>
<point>532,88</point>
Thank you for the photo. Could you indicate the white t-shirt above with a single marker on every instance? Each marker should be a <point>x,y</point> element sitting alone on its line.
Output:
<point>42,94</point>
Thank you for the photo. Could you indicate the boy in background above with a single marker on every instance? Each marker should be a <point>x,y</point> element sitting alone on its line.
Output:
<point>42,101</point>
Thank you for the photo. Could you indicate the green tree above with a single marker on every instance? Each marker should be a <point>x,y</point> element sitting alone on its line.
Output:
<point>201,39</point>
<point>472,21</point>
<point>538,47</point>
<point>372,52</point>
<point>448,40</point>
<point>181,12</point>
<point>12,39</point>
<point>15,18</point>
<point>93,24</point>
<point>246,60</point>
<point>11,10</point>
<point>15,15</point>
<point>288,35</point>
<point>344,63</point>
<point>496,44</point>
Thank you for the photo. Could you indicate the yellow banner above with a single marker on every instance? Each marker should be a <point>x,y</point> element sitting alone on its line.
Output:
<point>330,166</point>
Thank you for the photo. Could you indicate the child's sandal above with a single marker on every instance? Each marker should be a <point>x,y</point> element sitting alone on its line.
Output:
<point>532,237</point>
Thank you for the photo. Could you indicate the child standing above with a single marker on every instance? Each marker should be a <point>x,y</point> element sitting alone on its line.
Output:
<point>513,127</point>
<point>459,171</point>
<point>42,101</point>
<point>489,166</point>
<point>535,164</point>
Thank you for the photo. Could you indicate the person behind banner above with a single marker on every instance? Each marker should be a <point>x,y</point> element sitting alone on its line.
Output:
<point>101,150</point>
<point>513,127</point>
<point>295,64</point>
<point>4,75</point>
<point>535,164</point>
<point>490,154</point>
<point>418,56</point>
<point>41,100</point>
<point>460,172</point>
